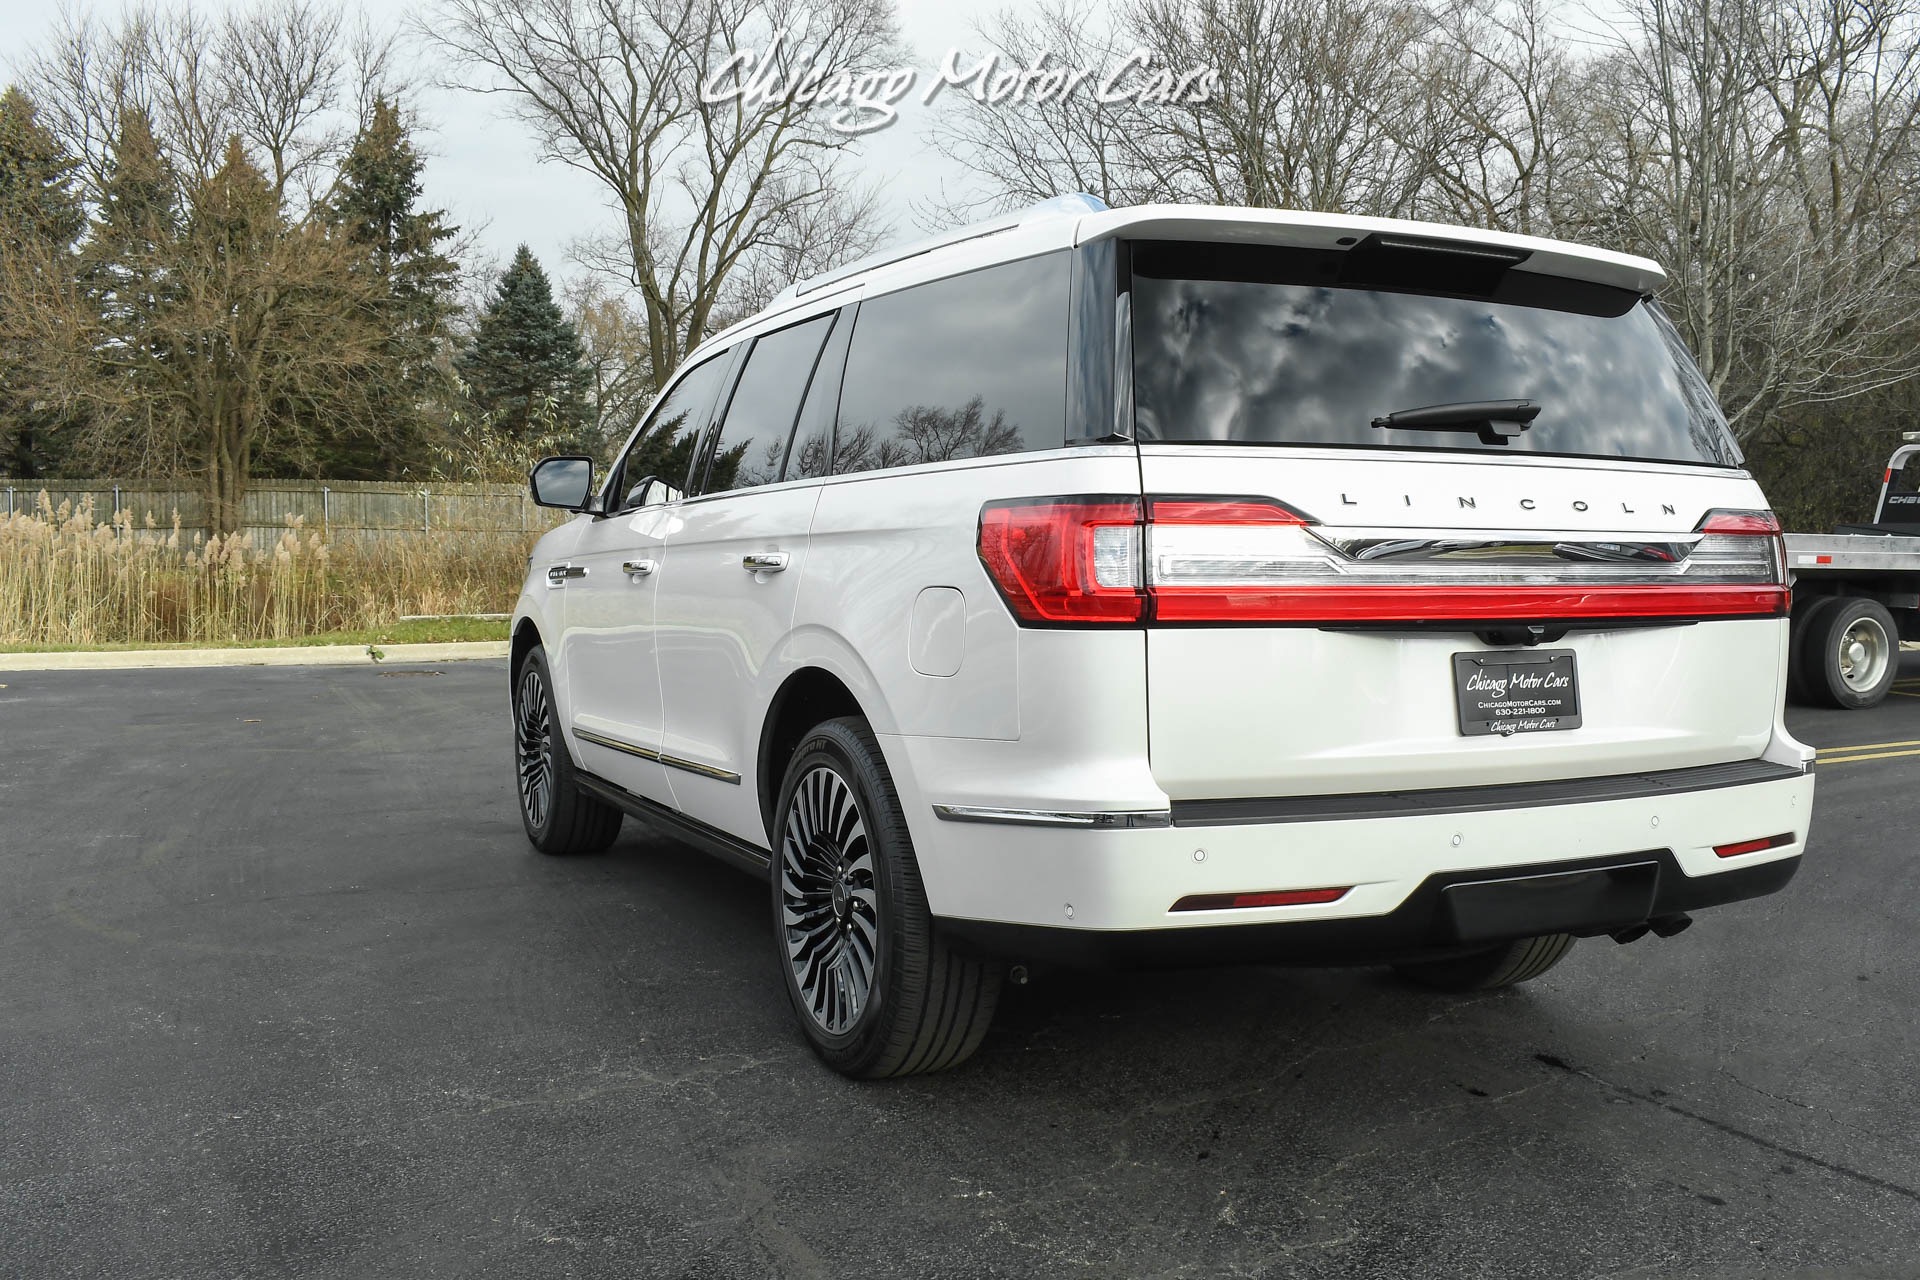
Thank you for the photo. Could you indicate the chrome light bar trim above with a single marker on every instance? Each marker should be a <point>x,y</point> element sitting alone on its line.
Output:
<point>647,753</point>
<point>1082,819</point>
<point>1198,554</point>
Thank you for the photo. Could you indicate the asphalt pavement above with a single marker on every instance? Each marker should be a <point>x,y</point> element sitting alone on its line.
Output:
<point>284,992</point>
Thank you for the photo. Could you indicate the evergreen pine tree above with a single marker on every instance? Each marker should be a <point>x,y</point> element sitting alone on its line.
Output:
<point>38,204</point>
<point>376,205</point>
<point>523,367</point>
<point>40,218</point>
<point>136,224</point>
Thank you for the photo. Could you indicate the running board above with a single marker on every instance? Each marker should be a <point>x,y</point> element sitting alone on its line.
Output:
<point>709,840</point>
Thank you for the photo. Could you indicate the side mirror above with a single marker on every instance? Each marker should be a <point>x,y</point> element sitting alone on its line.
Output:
<point>566,483</point>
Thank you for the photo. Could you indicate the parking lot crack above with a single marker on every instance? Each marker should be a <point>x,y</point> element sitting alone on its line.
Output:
<point>627,1082</point>
<point>1734,1131</point>
<point>1767,1093</point>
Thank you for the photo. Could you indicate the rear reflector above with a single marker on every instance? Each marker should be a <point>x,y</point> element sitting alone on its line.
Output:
<point>1120,560</point>
<point>1754,846</point>
<point>1272,898</point>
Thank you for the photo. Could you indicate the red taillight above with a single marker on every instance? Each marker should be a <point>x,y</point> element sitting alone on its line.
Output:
<point>1755,522</point>
<point>1109,560</point>
<point>1273,898</point>
<point>1222,511</point>
<point>1754,846</point>
<point>1053,563</point>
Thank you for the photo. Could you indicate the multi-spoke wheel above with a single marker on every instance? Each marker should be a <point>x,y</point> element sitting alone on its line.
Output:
<point>533,734</point>
<point>558,816</point>
<point>1851,652</point>
<point>877,992</point>
<point>828,905</point>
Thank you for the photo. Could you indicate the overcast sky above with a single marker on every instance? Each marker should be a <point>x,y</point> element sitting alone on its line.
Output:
<point>481,165</point>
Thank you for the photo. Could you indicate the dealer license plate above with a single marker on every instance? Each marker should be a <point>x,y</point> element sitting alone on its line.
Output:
<point>1523,691</point>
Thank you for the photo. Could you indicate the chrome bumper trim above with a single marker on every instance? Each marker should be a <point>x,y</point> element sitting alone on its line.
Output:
<point>1104,820</point>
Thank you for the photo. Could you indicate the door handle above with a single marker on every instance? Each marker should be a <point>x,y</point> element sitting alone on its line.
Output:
<point>561,572</point>
<point>638,568</point>
<point>764,562</point>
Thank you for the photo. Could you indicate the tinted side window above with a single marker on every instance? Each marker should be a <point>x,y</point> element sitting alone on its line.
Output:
<point>753,438</point>
<point>967,367</point>
<point>812,451</point>
<point>665,445</point>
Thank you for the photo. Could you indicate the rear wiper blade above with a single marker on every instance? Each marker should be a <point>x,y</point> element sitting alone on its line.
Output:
<point>1496,421</point>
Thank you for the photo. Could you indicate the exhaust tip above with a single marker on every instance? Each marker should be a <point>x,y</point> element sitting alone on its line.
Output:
<point>1632,933</point>
<point>1667,926</point>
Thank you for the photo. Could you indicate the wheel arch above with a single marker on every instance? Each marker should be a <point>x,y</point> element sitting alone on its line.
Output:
<point>805,698</point>
<point>526,638</point>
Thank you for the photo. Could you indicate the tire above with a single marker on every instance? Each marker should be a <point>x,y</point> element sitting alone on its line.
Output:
<point>1501,966</point>
<point>876,991</point>
<point>558,816</point>
<point>1852,654</point>
<point>1805,615</point>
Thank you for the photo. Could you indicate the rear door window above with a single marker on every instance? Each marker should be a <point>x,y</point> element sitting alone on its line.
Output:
<point>967,367</point>
<point>752,446</point>
<point>1258,345</point>
<point>811,455</point>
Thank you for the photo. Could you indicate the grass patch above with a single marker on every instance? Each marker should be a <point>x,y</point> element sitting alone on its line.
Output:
<point>417,631</point>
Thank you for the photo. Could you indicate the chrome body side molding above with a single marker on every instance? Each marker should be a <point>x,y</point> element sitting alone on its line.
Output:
<point>658,757</point>
<point>1104,819</point>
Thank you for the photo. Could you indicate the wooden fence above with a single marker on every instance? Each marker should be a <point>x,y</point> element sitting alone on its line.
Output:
<point>338,508</point>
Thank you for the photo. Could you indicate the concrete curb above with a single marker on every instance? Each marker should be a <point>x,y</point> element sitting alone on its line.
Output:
<point>314,655</point>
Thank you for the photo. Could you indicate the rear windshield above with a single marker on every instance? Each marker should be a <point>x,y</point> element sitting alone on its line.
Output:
<point>1256,345</point>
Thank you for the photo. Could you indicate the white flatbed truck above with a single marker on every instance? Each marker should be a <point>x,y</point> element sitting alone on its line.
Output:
<point>1856,596</point>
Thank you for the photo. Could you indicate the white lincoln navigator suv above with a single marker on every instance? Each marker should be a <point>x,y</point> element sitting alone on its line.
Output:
<point>1174,585</point>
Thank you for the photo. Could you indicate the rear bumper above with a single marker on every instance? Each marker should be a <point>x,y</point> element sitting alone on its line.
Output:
<point>1069,884</point>
<point>1430,922</point>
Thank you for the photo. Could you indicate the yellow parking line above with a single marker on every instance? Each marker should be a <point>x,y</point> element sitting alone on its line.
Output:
<point>1869,746</point>
<point>1876,755</point>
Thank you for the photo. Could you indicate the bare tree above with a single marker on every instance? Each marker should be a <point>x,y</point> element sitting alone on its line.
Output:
<point>292,79</point>
<point>1319,104</point>
<point>702,188</point>
<point>1764,152</point>
<point>1064,144</point>
<point>1499,75</point>
<point>613,341</point>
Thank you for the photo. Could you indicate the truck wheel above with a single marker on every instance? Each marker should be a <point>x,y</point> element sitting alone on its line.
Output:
<point>1501,966</point>
<point>876,991</point>
<point>1805,614</point>
<point>558,816</point>
<point>1853,653</point>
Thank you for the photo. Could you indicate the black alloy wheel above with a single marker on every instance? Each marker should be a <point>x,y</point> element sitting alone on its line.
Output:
<point>559,817</point>
<point>875,987</point>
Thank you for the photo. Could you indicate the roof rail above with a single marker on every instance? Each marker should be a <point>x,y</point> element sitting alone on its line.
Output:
<point>1059,207</point>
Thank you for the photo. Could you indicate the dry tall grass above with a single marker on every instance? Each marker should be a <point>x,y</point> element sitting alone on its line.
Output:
<point>67,578</point>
